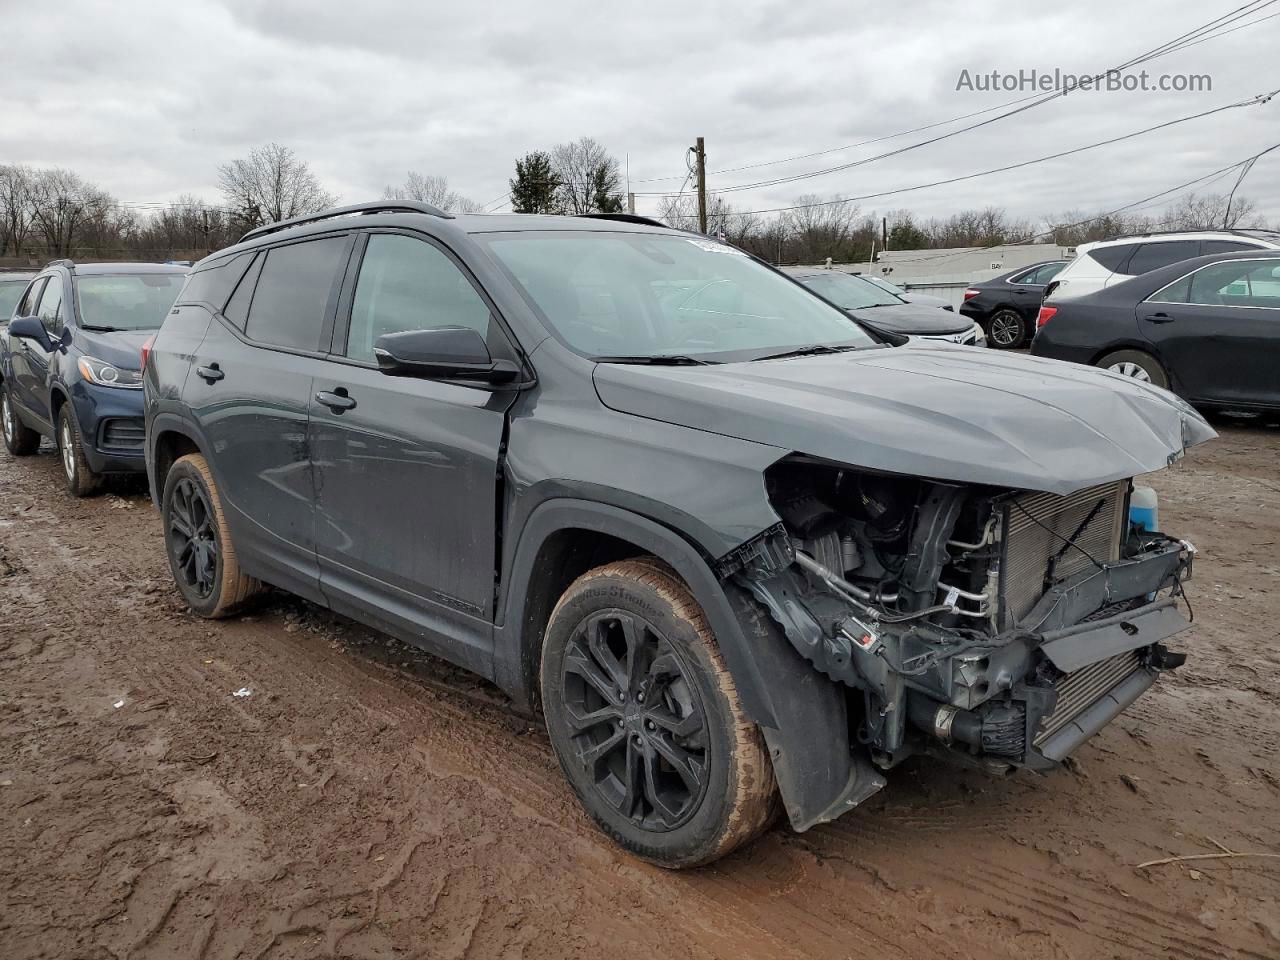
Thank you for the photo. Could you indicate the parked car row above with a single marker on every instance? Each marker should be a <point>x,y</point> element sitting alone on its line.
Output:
<point>739,541</point>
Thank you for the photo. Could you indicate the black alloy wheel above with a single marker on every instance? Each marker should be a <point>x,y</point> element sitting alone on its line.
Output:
<point>193,542</point>
<point>638,720</point>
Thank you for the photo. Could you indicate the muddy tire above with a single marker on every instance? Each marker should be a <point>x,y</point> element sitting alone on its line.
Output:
<point>81,480</point>
<point>645,719</point>
<point>19,439</point>
<point>201,554</point>
<point>1137,364</point>
<point>1007,330</point>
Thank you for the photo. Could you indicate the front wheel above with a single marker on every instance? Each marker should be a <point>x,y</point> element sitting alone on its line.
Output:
<point>81,480</point>
<point>645,719</point>
<point>1137,364</point>
<point>19,439</point>
<point>1006,330</point>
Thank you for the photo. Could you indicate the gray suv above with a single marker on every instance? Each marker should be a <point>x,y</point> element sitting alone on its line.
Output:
<point>733,546</point>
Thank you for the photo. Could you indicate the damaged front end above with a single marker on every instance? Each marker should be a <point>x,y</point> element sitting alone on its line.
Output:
<point>997,627</point>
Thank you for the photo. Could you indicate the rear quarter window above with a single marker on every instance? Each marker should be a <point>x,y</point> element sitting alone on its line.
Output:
<point>212,285</point>
<point>1112,258</point>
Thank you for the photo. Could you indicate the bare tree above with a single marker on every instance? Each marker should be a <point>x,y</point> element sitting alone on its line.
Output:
<point>432,189</point>
<point>589,177</point>
<point>15,208</point>
<point>723,221</point>
<point>821,229</point>
<point>271,184</point>
<point>1209,212</point>
<point>62,205</point>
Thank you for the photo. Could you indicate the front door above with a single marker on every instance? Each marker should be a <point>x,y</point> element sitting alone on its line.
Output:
<point>1218,331</point>
<point>406,469</point>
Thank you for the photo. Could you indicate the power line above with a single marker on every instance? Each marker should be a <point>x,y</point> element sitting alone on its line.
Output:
<point>1260,99</point>
<point>1203,180</point>
<point>1198,35</point>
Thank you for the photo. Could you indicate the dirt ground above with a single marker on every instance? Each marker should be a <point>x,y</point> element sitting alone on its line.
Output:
<point>364,800</point>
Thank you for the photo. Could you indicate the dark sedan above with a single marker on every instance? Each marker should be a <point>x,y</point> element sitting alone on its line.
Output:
<point>1208,329</point>
<point>882,310</point>
<point>1006,306</point>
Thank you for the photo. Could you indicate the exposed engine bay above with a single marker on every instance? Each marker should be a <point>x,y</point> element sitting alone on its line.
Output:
<point>996,627</point>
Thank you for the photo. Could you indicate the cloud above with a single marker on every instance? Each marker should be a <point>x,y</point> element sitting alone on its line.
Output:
<point>148,103</point>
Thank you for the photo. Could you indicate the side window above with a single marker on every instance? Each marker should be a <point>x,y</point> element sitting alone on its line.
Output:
<point>294,292</point>
<point>27,306</point>
<point>1238,283</point>
<point>1027,276</point>
<point>1177,292</point>
<point>1113,258</point>
<point>213,285</point>
<point>1226,246</point>
<point>1151,256</point>
<point>408,284</point>
<point>51,307</point>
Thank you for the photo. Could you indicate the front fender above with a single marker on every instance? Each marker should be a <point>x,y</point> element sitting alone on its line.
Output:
<point>801,713</point>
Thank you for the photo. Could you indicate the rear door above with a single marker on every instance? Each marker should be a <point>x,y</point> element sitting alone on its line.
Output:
<point>1218,331</point>
<point>407,469</point>
<point>250,387</point>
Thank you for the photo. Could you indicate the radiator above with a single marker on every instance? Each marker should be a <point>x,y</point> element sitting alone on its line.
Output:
<point>1034,526</point>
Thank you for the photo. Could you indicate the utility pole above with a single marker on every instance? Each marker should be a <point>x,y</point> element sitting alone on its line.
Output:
<point>631,203</point>
<point>700,153</point>
<point>884,233</point>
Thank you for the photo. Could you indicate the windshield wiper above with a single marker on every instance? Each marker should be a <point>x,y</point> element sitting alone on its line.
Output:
<point>656,360</point>
<point>810,351</point>
<point>100,329</point>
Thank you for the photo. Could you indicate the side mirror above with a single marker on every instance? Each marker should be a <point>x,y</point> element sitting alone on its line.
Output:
<point>442,353</point>
<point>30,328</point>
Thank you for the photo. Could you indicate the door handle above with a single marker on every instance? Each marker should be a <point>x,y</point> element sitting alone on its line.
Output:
<point>1159,318</point>
<point>210,374</point>
<point>337,400</point>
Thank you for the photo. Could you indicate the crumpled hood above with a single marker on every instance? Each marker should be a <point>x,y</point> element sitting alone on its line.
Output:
<point>913,319</point>
<point>121,348</point>
<point>928,409</point>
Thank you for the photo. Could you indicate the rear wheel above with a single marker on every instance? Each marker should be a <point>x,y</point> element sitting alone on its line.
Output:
<point>19,439</point>
<point>1007,329</point>
<point>81,480</point>
<point>198,543</point>
<point>1137,364</point>
<point>645,718</point>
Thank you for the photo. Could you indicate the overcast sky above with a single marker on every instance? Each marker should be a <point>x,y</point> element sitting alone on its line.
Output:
<point>146,99</point>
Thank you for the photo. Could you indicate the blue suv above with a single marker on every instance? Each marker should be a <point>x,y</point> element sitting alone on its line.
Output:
<point>70,364</point>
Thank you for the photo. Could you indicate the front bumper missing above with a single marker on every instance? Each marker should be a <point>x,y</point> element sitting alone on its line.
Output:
<point>1093,643</point>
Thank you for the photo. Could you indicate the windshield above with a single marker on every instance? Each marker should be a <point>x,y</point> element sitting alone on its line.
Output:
<point>850,292</point>
<point>884,284</point>
<point>127,302</point>
<point>10,294</point>
<point>660,295</point>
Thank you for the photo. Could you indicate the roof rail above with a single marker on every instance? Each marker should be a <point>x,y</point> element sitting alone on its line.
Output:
<point>376,206</point>
<point>627,218</point>
<point>63,262</point>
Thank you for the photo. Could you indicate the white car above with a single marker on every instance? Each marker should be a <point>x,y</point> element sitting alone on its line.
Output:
<point>1104,262</point>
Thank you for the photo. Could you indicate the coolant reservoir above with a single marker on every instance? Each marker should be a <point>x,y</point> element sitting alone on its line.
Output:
<point>1144,509</point>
